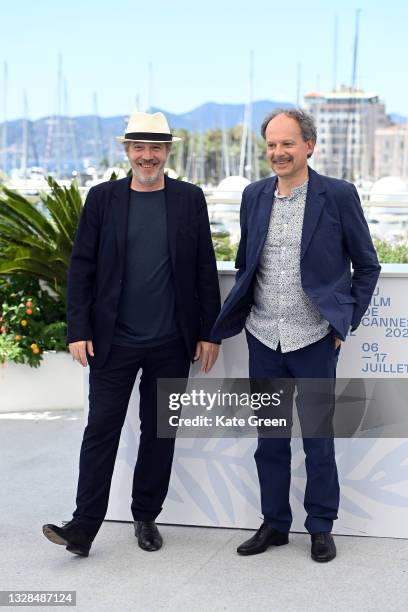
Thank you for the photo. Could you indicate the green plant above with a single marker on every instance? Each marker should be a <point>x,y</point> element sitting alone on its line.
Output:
<point>224,249</point>
<point>391,252</point>
<point>32,320</point>
<point>37,239</point>
<point>9,349</point>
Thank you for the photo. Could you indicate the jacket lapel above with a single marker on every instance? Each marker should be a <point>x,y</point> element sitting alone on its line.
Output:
<point>313,207</point>
<point>120,204</point>
<point>174,204</point>
<point>263,215</point>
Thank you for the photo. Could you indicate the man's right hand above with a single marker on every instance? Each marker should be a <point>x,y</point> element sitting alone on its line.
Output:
<point>79,350</point>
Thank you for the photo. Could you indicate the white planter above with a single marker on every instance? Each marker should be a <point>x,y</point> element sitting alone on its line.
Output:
<point>57,384</point>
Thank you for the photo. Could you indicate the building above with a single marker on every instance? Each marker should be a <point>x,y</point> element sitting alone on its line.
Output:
<point>346,121</point>
<point>391,151</point>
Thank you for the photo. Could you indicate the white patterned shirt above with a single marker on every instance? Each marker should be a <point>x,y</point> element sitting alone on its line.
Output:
<point>282,312</point>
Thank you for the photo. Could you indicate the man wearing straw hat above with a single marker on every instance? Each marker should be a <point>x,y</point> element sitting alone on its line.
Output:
<point>142,294</point>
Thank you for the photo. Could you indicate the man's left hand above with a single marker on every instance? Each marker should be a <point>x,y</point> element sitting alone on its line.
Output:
<point>207,353</point>
<point>337,343</point>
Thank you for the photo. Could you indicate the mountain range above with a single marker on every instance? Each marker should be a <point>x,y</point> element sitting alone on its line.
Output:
<point>213,115</point>
<point>94,137</point>
<point>86,133</point>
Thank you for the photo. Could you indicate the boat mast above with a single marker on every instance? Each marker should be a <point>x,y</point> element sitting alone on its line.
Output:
<point>250,139</point>
<point>201,178</point>
<point>336,86</point>
<point>335,52</point>
<point>179,166</point>
<point>4,131</point>
<point>354,73</point>
<point>71,129</point>
<point>190,155</point>
<point>246,139</point>
<point>243,143</point>
<point>348,173</point>
<point>97,131</point>
<point>225,149</point>
<point>59,116</point>
<point>24,154</point>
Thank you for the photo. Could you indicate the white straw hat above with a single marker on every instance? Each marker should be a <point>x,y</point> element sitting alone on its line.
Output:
<point>146,127</point>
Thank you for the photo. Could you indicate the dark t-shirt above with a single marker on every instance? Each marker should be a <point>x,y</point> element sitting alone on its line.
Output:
<point>147,309</point>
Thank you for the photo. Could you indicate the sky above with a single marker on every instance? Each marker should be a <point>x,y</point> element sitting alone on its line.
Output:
<point>197,52</point>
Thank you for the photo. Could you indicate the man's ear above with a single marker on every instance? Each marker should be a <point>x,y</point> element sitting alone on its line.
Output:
<point>310,147</point>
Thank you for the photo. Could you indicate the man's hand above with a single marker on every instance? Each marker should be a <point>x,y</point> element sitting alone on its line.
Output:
<point>337,343</point>
<point>207,353</point>
<point>79,349</point>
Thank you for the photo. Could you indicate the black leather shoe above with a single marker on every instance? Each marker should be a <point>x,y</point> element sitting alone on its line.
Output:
<point>148,536</point>
<point>323,547</point>
<point>71,535</point>
<point>265,536</point>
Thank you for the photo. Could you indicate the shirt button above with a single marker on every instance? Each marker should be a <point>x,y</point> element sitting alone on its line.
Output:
<point>282,271</point>
<point>281,320</point>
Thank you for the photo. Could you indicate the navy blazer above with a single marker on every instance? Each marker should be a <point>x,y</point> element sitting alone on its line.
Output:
<point>97,264</point>
<point>334,236</point>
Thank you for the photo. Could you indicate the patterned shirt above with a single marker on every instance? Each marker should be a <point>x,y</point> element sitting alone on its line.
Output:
<point>282,312</point>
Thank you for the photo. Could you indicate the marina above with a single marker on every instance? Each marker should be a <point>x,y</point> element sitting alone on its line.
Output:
<point>386,213</point>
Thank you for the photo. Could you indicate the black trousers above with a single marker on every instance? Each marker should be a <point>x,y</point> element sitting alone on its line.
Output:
<point>110,388</point>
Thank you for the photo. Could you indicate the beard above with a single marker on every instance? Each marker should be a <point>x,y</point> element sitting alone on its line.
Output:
<point>148,180</point>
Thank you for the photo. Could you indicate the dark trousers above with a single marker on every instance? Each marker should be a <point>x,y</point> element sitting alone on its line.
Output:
<point>110,388</point>
<point>273,455</point>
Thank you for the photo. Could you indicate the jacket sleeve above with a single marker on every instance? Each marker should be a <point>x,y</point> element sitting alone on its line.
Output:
<point>207,276</point>
<point>240,261</point>
<point>359,245</point>
<point>82,270</point>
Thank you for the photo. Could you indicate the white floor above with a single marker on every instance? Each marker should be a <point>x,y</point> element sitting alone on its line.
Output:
<point>197,569</point>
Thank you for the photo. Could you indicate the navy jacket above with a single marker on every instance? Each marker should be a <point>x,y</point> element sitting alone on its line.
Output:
<point>98,256</point>
<point>334,236</point>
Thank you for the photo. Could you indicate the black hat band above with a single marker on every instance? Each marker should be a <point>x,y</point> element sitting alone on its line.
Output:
<point>148,136</point>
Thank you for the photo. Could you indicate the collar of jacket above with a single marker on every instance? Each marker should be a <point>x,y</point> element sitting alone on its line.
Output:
<point>313,207</point>
<point>120,201</point>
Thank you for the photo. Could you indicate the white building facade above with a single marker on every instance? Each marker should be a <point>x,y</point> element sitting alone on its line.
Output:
<point>346,122</point>
<point>391,152</point>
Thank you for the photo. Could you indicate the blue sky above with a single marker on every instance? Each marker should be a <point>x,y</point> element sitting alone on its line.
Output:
<point>198,52</point>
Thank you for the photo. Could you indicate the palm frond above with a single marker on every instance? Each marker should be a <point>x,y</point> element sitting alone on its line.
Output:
<point>39,242</point>
<point>22,211</point>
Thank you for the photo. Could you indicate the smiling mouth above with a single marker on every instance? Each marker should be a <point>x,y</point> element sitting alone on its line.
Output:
<point>143,165</point>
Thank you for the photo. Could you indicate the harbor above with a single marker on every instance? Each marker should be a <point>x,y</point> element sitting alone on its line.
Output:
<point>111,118</point>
